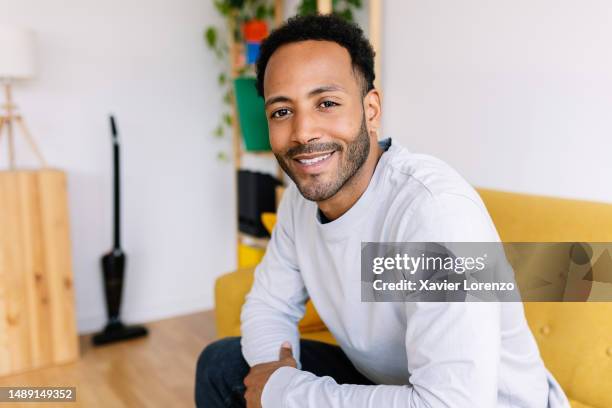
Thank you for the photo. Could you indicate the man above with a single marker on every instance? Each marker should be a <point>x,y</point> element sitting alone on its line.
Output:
<point>316,76</point>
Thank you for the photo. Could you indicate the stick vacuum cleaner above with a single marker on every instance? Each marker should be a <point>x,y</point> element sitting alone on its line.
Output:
<point>113,267</point>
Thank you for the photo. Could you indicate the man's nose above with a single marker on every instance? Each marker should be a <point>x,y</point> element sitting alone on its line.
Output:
<point>304,128</point>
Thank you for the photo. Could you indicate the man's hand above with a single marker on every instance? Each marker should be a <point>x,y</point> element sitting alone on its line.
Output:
<point>259,374</point>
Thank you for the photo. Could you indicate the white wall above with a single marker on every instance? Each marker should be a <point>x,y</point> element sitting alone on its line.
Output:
<point>146,61</point>
<point>517,95</point>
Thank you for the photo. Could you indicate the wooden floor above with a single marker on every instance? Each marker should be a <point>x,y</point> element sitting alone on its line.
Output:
<point>156,371</point>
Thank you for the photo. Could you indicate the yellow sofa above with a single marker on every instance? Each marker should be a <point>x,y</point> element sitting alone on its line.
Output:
<point>575,339</point>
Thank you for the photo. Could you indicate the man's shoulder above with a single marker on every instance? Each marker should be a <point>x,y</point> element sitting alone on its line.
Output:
<point>428,200</point>
<point>425,177</point>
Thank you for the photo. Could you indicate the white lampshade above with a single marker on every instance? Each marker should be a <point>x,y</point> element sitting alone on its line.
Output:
<point>16,52</point>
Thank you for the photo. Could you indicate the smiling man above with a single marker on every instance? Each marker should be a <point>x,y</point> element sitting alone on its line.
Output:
<point>316,75</point>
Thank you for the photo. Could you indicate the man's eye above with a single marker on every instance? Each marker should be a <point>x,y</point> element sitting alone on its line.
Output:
<point>279,113</point>
<point>328,104</point>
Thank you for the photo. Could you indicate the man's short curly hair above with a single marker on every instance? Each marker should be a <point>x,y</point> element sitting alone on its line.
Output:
<point>328,27</point>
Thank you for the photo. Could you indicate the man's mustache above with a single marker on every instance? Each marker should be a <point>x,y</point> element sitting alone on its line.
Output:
<point>312,148</point>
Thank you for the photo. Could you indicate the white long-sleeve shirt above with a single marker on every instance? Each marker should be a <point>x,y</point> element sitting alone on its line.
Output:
<point>422,354</point>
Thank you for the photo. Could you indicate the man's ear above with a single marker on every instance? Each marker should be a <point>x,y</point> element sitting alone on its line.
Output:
<point>372,106</point>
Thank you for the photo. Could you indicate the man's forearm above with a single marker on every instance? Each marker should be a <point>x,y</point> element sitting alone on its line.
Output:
<point>265,327</point>
<point>292,388</point>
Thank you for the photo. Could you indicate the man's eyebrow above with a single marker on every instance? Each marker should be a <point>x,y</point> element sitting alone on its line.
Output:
<point>276,99</point>
<point>316,91</point>
<point>325,88</point>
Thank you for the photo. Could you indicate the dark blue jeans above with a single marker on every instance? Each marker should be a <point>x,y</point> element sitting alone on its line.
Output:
<point>221,370</point>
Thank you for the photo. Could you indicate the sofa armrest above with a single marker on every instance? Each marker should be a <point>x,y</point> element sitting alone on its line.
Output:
<point>230,292</point>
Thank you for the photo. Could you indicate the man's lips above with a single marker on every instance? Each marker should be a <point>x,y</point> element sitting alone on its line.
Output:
<point>312,156</point>
<point>313,163</point>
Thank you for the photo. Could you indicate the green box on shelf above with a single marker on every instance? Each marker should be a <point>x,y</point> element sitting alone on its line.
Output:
<point>251,115</point>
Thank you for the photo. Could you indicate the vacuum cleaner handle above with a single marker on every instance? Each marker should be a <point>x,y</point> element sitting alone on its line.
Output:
<point>116,186</point>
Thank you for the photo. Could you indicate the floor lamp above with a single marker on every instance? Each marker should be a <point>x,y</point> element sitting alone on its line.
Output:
<point>16,64</point>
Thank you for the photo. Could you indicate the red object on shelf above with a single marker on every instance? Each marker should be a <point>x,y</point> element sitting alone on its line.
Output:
<point>255,30</point>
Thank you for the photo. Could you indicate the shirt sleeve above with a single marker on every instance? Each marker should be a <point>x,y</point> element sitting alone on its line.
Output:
<point>453,355</point>
<point>453,349</point>
<point>277,299</point>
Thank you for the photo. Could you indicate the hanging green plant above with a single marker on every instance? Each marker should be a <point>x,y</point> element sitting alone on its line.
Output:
<point>236,13</point>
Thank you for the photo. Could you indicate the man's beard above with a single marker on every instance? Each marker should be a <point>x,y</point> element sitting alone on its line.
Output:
<point>355,156</point>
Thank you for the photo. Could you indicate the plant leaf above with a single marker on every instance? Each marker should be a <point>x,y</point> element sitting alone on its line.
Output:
<point>307,7</point>
<point>271,11</point>
<point>227,119</point>
<point>223,6</point>
<point>260,12</point>
<point>227,98</point>
<point>222,156</point>
<point>237,4</point>
<point>346,14</point>
<point>219,131</point>
<point>211,37</point>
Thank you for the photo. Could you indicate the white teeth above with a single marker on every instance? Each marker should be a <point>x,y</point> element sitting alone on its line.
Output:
<point>316,159</point>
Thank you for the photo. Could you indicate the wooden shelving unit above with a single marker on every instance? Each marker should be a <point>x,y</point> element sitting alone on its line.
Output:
<point>238,151</point>
<point>324,7</point>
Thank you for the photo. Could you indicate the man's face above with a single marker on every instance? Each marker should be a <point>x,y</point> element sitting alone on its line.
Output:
<point>314,106</point>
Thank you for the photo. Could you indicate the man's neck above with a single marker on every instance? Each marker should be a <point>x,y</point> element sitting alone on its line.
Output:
<point>348,195</point>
